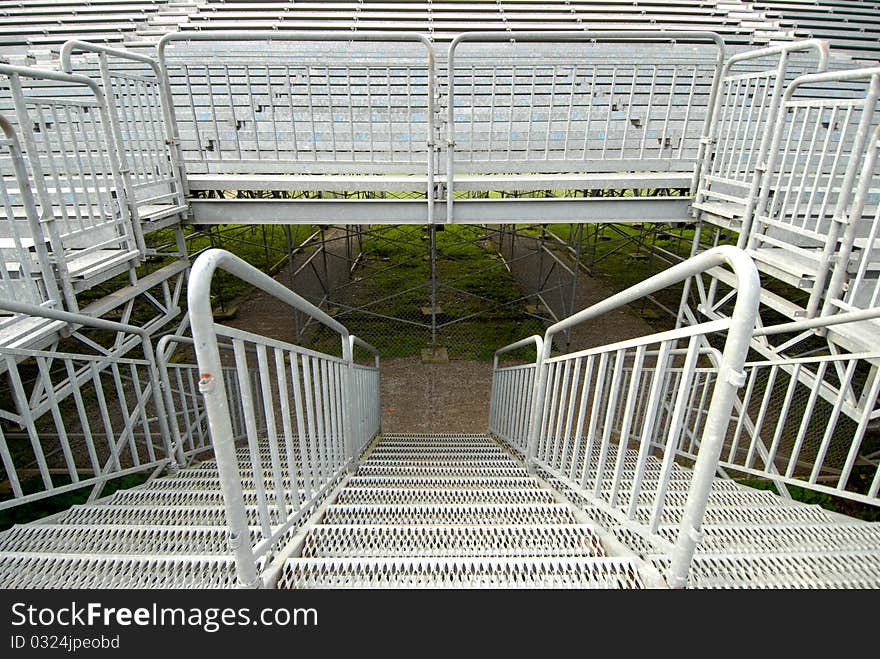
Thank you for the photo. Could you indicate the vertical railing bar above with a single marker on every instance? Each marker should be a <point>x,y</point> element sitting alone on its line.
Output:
<point>76,153</point>
<point>805,421</point>
<point>105,418</point>
<point>140,396</point>
<point>327,434</point>
<point>690,407</point>
<point>83,418</point>
<point>325,448</point>
<point>594,417</point>
<point>674,432</point>
<point>312,419</point>
<point>287,428</point>
<point>127,430</point>
<point>762,413</point>
<point>569,417</point>
<point>195,119</point>
<point>649,107</point>
<point>623,442</point>
<point>196,412</point>
<point>570,111</point>
<point>859,434</point>
<point>271,430</point>
<point>232,108</point>
<point>589,110</point>
<point>793,381</point>
<point>60,426</point>
<point>665,133</point>
<point>581,418</point>
<point>289,87</point>
<point>551,415</point>
<point>608,423</point>
<point>336,406</point>
<point>308,93</point>
<point>610,110</point>
<point>563,399</point>
<point>306,451</point>
<point>687,112</point>
<point>247,404</point>
<point>628,118</point>
<point>795,157</point>
<point>648,426</point>
<point>831,424</point>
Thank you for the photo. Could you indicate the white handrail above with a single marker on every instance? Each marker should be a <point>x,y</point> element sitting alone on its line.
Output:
<point>212,386</point>
<point>730,378</point>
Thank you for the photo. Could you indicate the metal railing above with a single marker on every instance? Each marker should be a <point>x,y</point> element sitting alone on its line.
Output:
<point>511,403</point>
<point>854,283</point>
<point>259,101</point>
<point>26,272</point>
<point>578,107</point>
<point>85,418</point>
<point>365,386</point>
<point>815,156</point>
<point>803,421</point>
<point>66,130</point>
<point>316,409</point>
<point>140,111</point>
<point>590,408</point>
<point>733,155</point>
<point>187,418</point>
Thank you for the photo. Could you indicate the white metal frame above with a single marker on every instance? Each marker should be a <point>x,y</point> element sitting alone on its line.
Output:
<point>326,395</point>
<point>139,430</point>
<point>615,408</point>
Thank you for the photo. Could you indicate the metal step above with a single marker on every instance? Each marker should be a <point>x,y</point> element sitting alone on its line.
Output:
<point>442,460</point>
<point>151,515</point>
<point>183,498</point>
<point>108,539</point>
<point>460,573</point>
<point>482,483</point>
<point>463,514</point>
<point>760,514</point>
<point>357,495</point>
<point>355,541</point>
<point>437,445</point>
<point>828,569</point>
<point>437,471</point>
<point>29,570</point>
<point>788,538</point>
<point>436,451</point>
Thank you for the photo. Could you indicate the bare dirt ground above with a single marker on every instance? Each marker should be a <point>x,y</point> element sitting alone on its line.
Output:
<point>450,397</point>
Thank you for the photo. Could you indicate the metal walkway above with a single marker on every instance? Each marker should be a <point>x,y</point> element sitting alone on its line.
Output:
<point>438,510</point>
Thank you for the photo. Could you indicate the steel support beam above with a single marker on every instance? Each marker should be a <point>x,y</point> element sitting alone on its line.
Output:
<point>468,211</point>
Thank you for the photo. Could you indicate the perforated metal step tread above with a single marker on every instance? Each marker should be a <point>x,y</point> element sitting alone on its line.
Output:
<point>829,569</point>
<point>108,539</point>
<point>362,495</point>
<point>604,573</point>
<point>789,538</point>
<point>470,514</point>
<point>356,541</point>
<point>28,570</point>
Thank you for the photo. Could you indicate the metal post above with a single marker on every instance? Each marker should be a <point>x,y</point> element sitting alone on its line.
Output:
<point>292,273</point>
<point>433,247</point>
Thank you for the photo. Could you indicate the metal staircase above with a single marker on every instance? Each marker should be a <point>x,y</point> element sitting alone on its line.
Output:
<point>607,467</point>
<point>453,511</point>
<point>438,511</point>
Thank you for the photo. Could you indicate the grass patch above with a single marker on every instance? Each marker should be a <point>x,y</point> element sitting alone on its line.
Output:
<point>480,305</point>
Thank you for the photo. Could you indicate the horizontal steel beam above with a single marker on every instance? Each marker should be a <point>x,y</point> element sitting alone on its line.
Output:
<point>467,211</point>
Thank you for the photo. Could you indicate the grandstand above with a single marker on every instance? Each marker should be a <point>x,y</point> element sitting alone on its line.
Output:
<point>748,130</point>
